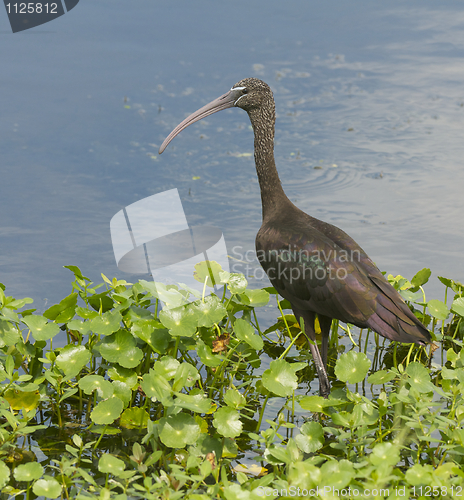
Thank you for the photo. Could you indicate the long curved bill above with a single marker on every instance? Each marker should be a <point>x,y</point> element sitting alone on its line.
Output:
<point>225,101</point>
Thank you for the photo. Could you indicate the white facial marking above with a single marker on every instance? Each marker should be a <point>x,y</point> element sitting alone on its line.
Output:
<point>238,88</point>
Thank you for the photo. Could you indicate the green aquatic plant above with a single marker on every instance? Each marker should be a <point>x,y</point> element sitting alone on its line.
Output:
<point>198,400</point>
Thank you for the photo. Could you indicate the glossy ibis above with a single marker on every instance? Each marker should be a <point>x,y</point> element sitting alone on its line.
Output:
<point>317,267</point>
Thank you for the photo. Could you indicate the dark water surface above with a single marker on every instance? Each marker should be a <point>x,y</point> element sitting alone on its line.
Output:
<point>370,103</point>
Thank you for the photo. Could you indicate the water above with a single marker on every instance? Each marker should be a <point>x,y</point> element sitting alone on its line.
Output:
<point>370,109</point>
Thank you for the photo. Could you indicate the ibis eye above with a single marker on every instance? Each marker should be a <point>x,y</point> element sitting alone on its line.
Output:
<point>245,91</point>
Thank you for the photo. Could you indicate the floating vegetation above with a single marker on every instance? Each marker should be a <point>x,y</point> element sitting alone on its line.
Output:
<point>199,402</point>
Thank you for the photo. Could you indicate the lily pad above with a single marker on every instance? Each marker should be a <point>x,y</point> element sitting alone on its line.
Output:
<point>28,472</point>
<point>236,282</point>
<point>419,377</point>
<point>438,309</point>
<point>109,464</point>
<point>107,323</point>
<point>209,311</point>
<point>208,271</point>
<point>311,438</point>
<point>280,378</point>
<point>121,348</point>
<point>91,383</point>
<point>176,431</point>
<point>107,411</point>
<point>40,328</point>
<point>384,453</point>
<point>227,422</point>
<point>72,359</point>
<point>352,367</point>
<point>47,487</point>
<point>180,321</point>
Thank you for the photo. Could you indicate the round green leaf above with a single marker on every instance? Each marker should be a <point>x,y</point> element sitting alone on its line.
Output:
<point>227,422</point>
<point>181,322</point>
<point>311,438</point>
<point>206,270</point>
<point>419,377</point>
<point>244,331</point>
<point>91,383</point>
<point>438,309</point>
<point>176,431</point>
<point>40,328</point>
<point>337,474</point>
<point>28,472</point>
<point>106,412</point>
<point>384,453</point>
<point>107,323</point>
<point>48,487</point>
<point>4,474</point>
<point>209,311</point>
<point>352,367</point>
<point>280,378</point>
<point>72,359</point>
<point>109,464</point>
<point>134,418</point>
<point>120,347</point>
<point>419,475</point>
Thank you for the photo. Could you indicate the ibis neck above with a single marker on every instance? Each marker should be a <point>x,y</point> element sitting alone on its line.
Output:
<point>272,193</point>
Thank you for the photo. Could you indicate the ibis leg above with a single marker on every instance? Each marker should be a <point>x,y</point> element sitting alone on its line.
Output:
<point>308,319</point>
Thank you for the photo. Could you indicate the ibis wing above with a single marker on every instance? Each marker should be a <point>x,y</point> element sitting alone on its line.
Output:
<point>328,273</point>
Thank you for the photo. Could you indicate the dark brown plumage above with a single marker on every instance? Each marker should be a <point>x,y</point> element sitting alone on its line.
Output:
<point>317,267</point>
